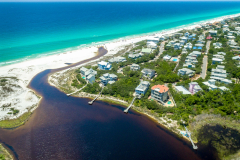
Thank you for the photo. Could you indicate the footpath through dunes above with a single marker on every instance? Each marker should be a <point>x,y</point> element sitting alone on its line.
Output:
<point>68,128</point>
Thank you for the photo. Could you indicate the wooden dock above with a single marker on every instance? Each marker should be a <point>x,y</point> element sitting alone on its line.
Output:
<point>126,110</point>
<point>91,102</point>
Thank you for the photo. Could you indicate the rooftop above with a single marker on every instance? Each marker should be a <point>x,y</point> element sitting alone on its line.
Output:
<point>160,88</point>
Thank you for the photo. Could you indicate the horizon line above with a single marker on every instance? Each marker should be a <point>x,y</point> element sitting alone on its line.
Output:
<point>32,1</point>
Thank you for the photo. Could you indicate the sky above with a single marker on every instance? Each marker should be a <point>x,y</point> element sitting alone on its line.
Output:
<point>99,0</point>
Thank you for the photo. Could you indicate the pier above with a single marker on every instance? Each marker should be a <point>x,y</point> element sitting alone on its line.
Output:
<point>126,110</point>
<point>189,134</point>
<point>91,102</point>
<point>76,91</point>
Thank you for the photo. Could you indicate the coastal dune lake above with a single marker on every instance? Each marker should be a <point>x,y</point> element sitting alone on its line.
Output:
<point>68,128</point>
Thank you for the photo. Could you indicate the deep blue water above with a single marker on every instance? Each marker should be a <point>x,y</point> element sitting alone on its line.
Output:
<point>28,30</point>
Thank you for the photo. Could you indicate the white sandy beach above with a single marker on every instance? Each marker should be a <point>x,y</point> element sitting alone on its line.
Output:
<point>23,98</point>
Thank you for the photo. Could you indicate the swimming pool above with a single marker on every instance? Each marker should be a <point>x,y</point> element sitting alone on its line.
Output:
<point>169,102</point>
<point>174,59</point>
<point>83,77</point>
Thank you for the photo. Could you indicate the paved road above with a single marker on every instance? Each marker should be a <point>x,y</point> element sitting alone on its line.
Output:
<point>205,61</point>
<point>207,46</point>
<point>161,48</point>
<point>204,67</point>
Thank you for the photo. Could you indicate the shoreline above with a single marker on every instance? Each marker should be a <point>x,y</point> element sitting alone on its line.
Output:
<point>122,40</point>
<point>25,71</point>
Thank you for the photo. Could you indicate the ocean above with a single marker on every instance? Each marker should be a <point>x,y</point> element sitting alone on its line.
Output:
<point>30,30</point>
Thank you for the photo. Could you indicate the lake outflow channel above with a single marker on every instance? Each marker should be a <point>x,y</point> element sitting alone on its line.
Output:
<point>67,128</point>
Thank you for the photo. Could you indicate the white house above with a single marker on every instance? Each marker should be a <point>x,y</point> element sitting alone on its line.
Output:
<point>148,73</point>
<point>217,45</point>
<point>236,57</point>
<point>167,58</point>
<point>213,33</point>
<point>182,90</point>
<point>188,46</point>
<point>89,74</point>
<point>117,59</point>
<point>104,65</point>
<point>134,67</point>
<point>142,88</point>
<point>108,78</point>
<point>186,71</point>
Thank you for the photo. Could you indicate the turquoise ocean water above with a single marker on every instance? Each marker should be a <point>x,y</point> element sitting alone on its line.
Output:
<point>30,30</point>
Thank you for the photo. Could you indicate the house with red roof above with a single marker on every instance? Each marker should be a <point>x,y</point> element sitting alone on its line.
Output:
<point>209,38</point>
<point>159,93</point>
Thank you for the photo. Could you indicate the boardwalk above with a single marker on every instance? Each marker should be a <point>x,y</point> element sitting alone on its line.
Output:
<point>126,110</point>
<point>77,90</point>
<point>91,102</point>
<point>189,134</point>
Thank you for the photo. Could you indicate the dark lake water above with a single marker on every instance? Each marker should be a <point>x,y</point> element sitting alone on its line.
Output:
<point>67,128</point>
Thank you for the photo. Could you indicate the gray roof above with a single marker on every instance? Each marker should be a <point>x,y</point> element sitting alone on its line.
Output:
<point>106,75</point>
<point>112,75</point>
<point>83,69</point>
<point>135,65</point>
<point>146,71</point>
<point>182,89</point>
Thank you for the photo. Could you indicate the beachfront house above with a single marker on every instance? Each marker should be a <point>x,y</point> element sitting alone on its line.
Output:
<point>182,90</point>
<point>159,93</point>
<point>186,71</point>
<point>162,38</point>
<point>194,87</point>
<point>134,56</point>
<point>148,73</point>
<point>108,78</point>
<point>134,67</point>
<point>152,45</point>
<point>142,88</point>
<point>104,65</point>
<point>88,74</point>
<point>153,40</point>
<point>117,59</point>
<point>146,50</point>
